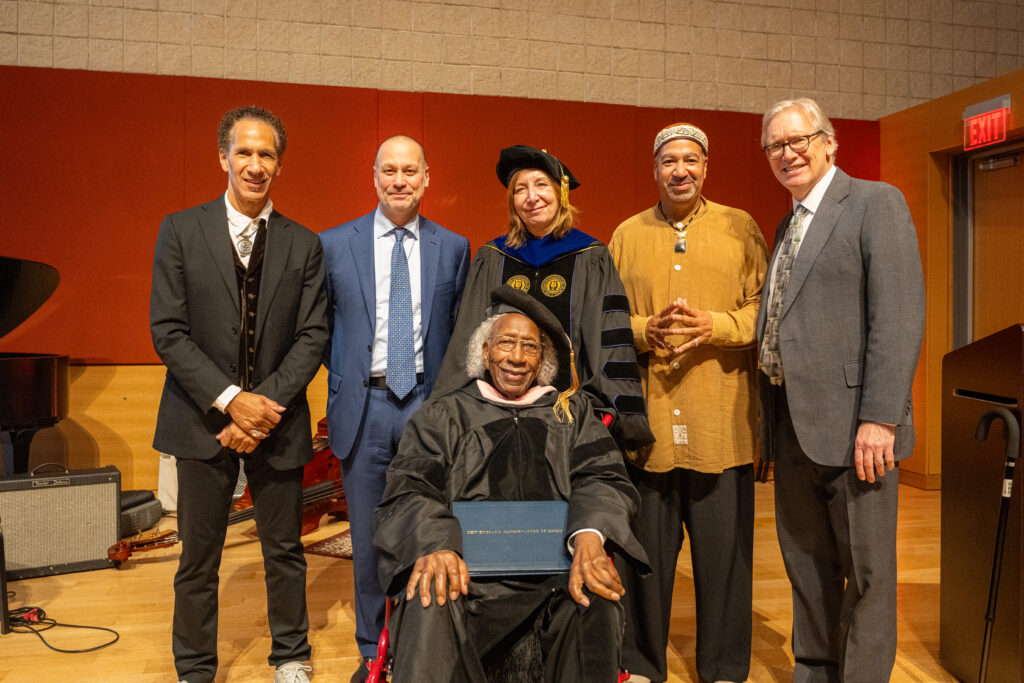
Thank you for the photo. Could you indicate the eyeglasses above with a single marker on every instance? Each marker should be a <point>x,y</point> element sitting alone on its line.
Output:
<point>507,345</point>
<point>799,145</point>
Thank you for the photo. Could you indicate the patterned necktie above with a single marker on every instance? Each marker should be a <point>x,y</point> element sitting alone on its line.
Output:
<point>401,377</point>
<point>770,360</point>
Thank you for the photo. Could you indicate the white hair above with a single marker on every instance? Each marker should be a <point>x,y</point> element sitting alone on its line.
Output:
<point>811,111</point>
<point>476,365</point>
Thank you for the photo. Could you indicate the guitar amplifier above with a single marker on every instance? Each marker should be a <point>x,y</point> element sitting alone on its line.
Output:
<point>5,612</point>
<point>59,523</point>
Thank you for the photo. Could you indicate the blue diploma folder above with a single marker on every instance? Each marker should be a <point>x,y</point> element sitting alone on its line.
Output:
<point>507,538</point>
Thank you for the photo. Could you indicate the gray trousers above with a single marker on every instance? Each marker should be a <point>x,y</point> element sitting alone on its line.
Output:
<point>838,541</point>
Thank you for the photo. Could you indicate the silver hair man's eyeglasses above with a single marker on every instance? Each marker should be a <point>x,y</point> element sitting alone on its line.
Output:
<point>799,145</point>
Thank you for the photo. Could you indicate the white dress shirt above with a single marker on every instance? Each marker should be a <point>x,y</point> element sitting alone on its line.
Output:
<point>383,243</point>
<point>238,222</point>
<point>810,203</point>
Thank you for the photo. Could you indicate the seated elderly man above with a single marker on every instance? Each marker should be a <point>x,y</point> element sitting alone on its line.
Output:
<point>506,436</point>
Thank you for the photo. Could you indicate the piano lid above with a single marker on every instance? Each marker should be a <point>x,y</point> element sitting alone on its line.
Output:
<point>24,288</point>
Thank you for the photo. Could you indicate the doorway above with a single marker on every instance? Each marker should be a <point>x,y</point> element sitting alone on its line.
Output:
<point>988,242</point>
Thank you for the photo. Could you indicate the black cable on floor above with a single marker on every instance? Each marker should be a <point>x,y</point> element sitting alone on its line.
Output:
<point>34,620</point>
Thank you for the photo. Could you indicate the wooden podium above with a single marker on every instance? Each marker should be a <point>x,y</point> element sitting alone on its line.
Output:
<point>976,378</point>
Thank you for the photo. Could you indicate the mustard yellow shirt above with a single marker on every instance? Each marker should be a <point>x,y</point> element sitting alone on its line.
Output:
<point>702,404</point>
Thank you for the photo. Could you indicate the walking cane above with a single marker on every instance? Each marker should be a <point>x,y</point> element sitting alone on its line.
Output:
<point>1012,447</point>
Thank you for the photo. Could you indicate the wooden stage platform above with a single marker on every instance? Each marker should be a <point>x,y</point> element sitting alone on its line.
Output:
<point>137,601</point>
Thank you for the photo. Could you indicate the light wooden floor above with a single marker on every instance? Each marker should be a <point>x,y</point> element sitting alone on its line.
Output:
<point>137,601</point>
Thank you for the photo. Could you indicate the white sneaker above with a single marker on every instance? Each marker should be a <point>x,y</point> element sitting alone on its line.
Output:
<point>292,672</point>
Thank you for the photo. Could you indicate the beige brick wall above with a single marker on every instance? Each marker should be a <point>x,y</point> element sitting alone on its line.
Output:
<point>859,58</point>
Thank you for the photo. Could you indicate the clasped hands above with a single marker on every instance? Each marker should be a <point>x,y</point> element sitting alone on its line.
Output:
<point>591,566</point>
<point>678,319</point>
<point>252,418</point>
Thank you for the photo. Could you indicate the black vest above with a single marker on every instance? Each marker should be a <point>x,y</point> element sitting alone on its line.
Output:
<point>248,280</point>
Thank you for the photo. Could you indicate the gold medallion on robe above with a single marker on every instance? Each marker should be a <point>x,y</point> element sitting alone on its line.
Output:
<point>552,285</point>
<point>520,282</point>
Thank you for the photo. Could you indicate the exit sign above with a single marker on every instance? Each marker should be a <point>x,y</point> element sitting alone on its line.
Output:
<point>986,123</point>
<point>986,129</point>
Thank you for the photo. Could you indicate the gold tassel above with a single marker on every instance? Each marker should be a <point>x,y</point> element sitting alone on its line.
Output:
<point>565,191</point>
<point>562,402</point>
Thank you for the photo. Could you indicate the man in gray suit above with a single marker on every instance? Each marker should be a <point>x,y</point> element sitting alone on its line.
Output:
<point>840,329</point>
<point>238,316</point>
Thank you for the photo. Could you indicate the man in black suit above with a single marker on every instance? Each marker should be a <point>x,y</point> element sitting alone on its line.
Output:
<point>238,316</point>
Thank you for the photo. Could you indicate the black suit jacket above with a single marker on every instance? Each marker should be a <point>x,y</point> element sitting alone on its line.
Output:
<point>195,319</point>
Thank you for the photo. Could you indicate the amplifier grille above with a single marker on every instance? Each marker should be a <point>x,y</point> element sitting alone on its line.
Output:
<point>59,525</point>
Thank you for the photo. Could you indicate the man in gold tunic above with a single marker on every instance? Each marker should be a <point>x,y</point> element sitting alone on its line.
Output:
<point>693,271</point>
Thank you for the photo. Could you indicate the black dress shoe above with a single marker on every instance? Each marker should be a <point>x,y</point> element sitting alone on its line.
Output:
<point>362,671</point>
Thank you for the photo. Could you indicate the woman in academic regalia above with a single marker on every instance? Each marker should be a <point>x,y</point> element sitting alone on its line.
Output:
<point>572,274</point>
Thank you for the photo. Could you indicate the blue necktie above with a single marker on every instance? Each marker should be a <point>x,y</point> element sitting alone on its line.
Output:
<point>401,375</point>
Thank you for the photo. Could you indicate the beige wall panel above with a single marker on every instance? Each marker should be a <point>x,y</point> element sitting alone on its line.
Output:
<point>892,54</point>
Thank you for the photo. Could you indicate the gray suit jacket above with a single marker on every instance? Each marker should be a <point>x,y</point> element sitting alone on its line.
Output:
<point>195,316</point>
<point>852,322</point>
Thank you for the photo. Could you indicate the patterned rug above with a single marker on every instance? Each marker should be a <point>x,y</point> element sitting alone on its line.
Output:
<point>339,545</point>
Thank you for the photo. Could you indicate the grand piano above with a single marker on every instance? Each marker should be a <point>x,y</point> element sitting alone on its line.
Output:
<point>33,386</point>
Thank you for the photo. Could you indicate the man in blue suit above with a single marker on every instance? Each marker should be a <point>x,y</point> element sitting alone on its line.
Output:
<point>394,282</point>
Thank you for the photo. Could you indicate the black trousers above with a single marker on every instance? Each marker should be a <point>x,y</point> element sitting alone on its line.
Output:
<point>718,512</point>
<point>204,500</point>
<point>838,540</point>
<point>445,644</point>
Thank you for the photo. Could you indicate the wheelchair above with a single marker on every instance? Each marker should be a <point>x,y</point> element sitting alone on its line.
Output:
<point>517,659</point>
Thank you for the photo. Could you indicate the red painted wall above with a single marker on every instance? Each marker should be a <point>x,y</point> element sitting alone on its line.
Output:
<point>94,160</point>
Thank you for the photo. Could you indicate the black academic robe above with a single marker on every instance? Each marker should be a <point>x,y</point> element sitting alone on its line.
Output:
<point>575,278</point>
<point>464,447</point>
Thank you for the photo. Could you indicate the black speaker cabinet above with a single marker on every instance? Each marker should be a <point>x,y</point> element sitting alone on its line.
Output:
<point>976,378</point>
<point>59,523</point>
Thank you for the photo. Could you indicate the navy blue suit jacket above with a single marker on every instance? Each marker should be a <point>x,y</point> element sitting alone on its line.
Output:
<point>351,291</point>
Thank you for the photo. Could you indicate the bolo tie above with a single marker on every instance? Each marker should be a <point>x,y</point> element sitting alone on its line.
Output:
<point>245,238</point>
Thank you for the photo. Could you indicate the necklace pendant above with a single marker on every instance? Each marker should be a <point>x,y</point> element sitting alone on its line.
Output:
<point>681,244</point>
<point>245,247</point>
